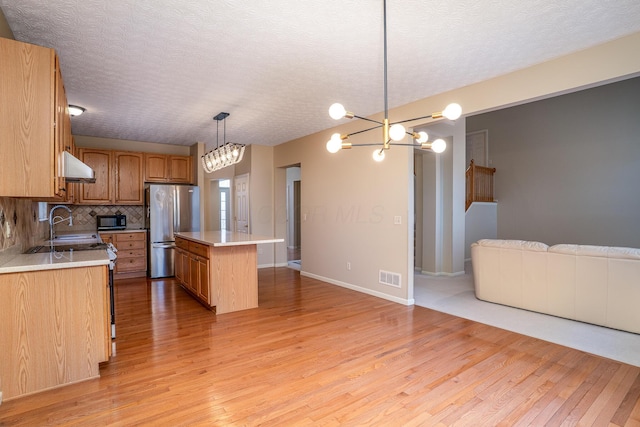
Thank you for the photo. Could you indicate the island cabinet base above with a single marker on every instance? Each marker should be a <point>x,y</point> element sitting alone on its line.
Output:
<point>224,278</point>
<point>55,328</point>
<point>234,276</point>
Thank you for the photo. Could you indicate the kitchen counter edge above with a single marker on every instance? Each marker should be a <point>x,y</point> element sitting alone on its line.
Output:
<point>53,261</point>
<point>227,238</point>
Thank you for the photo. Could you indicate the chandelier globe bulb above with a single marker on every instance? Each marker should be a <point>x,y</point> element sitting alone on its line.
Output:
<point>452,111</point>
<point>439,145</point>
<point>397,132</point>
<point>337,111</point>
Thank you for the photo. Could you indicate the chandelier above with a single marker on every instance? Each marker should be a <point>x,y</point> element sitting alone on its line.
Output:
<point>392,133</point>
<point>228,154</point>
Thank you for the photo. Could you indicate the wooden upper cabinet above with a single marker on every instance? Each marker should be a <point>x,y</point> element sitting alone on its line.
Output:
<point>118,177</point>
<point>129,188</point>
<point>180,169</point>
<point>33,113</point>
<point>166,168</point>
<point>101,192</point>
<point>155,167</point>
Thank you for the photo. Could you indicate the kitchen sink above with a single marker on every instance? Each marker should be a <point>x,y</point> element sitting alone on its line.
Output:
<point>74,239</point>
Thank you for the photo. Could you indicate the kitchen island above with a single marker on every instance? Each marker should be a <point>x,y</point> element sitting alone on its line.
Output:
<point>220,268</point>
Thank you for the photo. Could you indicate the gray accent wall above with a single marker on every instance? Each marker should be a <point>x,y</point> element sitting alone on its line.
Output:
<point>568,167</point>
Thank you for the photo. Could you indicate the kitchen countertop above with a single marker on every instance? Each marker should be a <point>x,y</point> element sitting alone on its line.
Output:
<point>226,238</point>
<point>53,261</point>
<point>126,230</point>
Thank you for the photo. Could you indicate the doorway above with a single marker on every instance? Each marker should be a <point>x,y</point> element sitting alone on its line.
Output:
<point>294,232</point>
<point>241,184</point>
<point>219,209</point>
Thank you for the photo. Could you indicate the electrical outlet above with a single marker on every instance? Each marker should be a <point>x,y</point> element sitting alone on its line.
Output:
<point>0,398</point>
<point>348,265</point>
<point>397,220</point>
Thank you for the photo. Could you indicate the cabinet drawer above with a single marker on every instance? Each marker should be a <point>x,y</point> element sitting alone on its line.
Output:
<point>131,253</point>
<point>199,249</point>
<point>182,243</point>
<point>122,237</point>
<point>131,244</point>
<point>131,264</point>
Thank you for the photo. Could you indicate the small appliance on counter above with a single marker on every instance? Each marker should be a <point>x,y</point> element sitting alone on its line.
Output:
<point>111,222</point>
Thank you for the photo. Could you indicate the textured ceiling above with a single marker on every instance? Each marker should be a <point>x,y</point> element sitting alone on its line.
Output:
<point>159,70</point>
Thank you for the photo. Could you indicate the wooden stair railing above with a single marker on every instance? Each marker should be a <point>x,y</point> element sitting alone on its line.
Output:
<point>479,184</point>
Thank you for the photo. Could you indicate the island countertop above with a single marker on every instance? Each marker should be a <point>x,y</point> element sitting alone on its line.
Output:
<point>226,238</point>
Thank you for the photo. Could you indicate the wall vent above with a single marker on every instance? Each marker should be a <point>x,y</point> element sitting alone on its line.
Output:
<point>391,279</point>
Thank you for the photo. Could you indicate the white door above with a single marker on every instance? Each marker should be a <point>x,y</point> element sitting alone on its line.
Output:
<point>477,147</point>
<point>242,203</point>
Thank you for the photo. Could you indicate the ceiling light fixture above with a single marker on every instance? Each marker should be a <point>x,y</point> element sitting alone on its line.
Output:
<point>395,132</point>
<point>222,156</point>
<point>74,110</point>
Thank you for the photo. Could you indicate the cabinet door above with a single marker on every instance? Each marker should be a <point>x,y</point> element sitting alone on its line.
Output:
<point>101,192</point>
<point>107,238</point>
<point>203,275</point>
<point>155,168</point>
<point>62,136</point>
<point>194,279</point>
<point>129,188</point>
<point>27,117</point>
<point>180,169</point>
<point>178,265</point>
<point>186,270</point>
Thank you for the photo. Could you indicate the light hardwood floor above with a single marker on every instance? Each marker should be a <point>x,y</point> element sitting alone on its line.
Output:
<point>317,354</point>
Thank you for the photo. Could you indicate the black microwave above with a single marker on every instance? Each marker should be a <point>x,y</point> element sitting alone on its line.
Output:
<point>112,222</point>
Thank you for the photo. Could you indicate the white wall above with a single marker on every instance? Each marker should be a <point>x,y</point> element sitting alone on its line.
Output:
<point>567,167</point>
<point>350,202</point>
<point>481,223</point>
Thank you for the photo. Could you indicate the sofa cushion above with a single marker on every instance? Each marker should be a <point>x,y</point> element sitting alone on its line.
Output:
<point>623,253</point>
<point>514,244</point>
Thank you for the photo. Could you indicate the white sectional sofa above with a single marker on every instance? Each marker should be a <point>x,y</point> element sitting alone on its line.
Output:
<point>593,284</point>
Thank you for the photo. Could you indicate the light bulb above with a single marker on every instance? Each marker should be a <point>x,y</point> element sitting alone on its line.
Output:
<point>378,154</point>
<point>452,112</point>
<point>397,132</point>
<point>422,137</point>
<point>235,152</point>
<point>337,111</point>
<point>335,143</point>
<point>438,146</point>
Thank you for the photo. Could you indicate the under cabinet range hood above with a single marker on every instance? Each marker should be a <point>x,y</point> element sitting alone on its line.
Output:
<point>76,171</point>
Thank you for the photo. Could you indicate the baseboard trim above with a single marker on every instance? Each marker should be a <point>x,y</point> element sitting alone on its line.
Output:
<point>371,292</point>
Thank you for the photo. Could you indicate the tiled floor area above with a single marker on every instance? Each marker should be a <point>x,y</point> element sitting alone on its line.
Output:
<point>455,295</point>
<point>293,258</point>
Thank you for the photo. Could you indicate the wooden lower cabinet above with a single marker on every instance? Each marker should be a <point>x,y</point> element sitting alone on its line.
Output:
<point>55,328</point>
<point>223,277</point>
<point>132,253</point>
<point>192,270</point>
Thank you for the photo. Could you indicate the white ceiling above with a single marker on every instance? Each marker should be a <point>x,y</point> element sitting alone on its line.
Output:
<point>159,70</point>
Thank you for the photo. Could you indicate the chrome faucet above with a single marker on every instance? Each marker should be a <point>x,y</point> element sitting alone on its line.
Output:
<point>53,220</point>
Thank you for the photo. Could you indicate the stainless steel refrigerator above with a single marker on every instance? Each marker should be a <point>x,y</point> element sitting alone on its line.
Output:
<point>169,209</point>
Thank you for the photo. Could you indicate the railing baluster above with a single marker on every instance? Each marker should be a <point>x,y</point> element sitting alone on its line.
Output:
<point>479,183</point>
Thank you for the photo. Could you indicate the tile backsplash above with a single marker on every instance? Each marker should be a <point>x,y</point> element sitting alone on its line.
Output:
<point>20,228</point>
<point>84,217</point>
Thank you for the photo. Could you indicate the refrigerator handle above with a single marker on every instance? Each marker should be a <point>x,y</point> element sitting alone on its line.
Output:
<point>163,245</point>
<point>176,209</point>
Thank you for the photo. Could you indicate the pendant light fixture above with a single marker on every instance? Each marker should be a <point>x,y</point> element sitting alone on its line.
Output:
<point>392,133</point>
<point>228,154</point>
